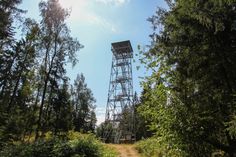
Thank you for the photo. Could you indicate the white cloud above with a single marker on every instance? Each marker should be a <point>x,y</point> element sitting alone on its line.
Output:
<point>100,21</point>
<point>113,2</point>
<point>81,12</point>
<point>74,3</point>
<point>100,114</point>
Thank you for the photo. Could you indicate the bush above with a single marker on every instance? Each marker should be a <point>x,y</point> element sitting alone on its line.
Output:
<point>153,147</point>
<point>71,144</point>
<point>40,148</point>
<point>148,147</point>
<point>87,146</point>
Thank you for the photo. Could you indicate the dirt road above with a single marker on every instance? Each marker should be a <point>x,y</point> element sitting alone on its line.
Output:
<point>125,150</point>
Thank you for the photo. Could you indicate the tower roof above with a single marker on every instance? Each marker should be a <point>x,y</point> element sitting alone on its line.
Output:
<point>122,49</point>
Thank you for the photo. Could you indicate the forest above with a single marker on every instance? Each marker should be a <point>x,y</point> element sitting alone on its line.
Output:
<point>187,107</point>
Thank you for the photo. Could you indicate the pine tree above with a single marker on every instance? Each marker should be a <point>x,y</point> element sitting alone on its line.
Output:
<point>56,46</point>
<point>193,81</point>
<point>83,102</point>
<point>8,11</point>
<point>16,93</point>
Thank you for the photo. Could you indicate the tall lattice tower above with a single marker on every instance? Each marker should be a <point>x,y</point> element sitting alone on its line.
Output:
<point>119,117</point>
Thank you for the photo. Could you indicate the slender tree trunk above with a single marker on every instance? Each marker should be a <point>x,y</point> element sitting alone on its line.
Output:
<point>48,105</point>
<point>41,108</point>
<point>45,87</point>
<point>14,93</point>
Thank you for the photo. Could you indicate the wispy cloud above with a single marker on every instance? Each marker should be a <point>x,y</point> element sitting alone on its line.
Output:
<point>99,21</point>
<point>113,2</point>
<point>82,12</point>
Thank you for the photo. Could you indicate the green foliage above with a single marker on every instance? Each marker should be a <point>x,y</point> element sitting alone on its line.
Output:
<point>40,148</point>
<point>162,118</point>
<point>142,124</point>
<point>8,11</point>
<point>231,127</point>
<point>74,145</point>
<point>56,48</point>
<point>89,141</point>
<point>84,117</point>
<point>149,147</point>
<point>102,130</point>
<point>91,147</point>
<point>85,147</point>
<point>190,98</point>
<point>154,147</point>
<point>35,94</point>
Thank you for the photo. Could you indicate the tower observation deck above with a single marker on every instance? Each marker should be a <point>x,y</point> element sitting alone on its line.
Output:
<point>119,118</point>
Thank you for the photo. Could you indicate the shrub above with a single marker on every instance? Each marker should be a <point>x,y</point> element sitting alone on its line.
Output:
<point>40,148</point>
<point>85,147</point>
<point>153,147</point>
<point>71,144</point>
<point>148,147</point>
<point>89,146</point>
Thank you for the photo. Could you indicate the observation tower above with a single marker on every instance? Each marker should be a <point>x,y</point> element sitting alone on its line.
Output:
<point>119,118</point>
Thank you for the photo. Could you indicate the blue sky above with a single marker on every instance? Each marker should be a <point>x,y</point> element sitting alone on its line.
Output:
<point>96,24</point>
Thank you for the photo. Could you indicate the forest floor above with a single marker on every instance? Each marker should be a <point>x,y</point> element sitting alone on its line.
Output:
<point>125,150</point>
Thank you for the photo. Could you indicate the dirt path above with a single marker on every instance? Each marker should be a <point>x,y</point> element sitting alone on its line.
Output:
<point>125,150</point>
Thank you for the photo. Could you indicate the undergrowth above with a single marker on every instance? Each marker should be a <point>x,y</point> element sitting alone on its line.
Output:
<point>153,147</point>
<point>71,144</point>
<point>148,147</point>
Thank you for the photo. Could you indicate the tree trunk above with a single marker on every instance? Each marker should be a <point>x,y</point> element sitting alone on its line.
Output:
<point>41,107</point>
<point>45,88</point>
